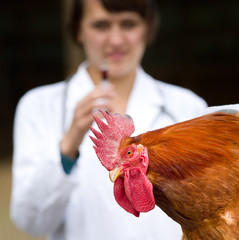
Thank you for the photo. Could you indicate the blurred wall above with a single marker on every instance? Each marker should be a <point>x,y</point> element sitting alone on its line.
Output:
<point>197,47</point>
<point>31,50</point>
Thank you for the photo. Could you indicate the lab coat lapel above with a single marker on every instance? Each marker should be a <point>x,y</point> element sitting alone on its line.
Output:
<point>145,102</point>
<point>79,85</point>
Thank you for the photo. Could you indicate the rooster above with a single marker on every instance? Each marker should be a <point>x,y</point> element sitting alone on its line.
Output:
<point>190,170</point>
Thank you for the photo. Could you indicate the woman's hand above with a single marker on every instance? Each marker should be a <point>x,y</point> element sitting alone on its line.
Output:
<point>99,98</point>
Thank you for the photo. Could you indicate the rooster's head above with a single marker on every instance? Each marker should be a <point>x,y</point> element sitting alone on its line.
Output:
<point>126,161</point>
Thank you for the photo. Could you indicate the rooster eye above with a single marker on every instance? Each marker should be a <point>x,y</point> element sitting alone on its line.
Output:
<point>129,153</point>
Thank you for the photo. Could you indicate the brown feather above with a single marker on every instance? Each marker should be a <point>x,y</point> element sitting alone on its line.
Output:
<point>194,169</point>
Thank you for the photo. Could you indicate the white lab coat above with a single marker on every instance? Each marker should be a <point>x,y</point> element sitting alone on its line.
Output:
<point>230,108</point>
<point>81,206</point>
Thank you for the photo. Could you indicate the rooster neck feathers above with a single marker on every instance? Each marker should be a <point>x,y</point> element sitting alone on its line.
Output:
<point>187,148</point>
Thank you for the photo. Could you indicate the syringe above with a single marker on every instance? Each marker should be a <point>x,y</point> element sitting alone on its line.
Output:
<point>104,82</point>
<point>104,73</point>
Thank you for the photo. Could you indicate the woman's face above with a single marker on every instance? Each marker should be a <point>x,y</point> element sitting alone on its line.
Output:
<point>117,38</point>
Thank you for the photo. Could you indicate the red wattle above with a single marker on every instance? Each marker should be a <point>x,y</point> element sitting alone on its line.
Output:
<point>121,197</point>
<point>134,192</point>
<point>139,190</point>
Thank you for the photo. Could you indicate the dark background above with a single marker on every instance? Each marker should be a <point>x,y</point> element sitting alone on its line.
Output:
<point>197,47</point>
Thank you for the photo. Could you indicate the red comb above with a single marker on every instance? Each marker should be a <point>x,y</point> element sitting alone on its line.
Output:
<point>108,140</point>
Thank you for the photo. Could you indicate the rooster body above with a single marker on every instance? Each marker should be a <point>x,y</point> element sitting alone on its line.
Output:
<point>190,170</point>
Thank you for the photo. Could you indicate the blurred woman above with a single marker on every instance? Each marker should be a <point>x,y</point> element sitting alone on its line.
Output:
<point>60,188</point>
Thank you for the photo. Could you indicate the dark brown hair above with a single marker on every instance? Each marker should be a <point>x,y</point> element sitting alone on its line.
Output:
<point>147,9</point>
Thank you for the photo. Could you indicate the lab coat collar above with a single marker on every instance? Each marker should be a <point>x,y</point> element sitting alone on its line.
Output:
<point>146,100</point>
<point>80,84</point>
<point>144,90</point>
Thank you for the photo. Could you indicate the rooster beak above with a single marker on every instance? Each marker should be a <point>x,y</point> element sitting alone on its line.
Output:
<point>140,148</point>
<point>115,173</point>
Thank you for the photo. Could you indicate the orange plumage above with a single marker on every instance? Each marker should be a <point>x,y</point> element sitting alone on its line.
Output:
<point>194,170</point>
